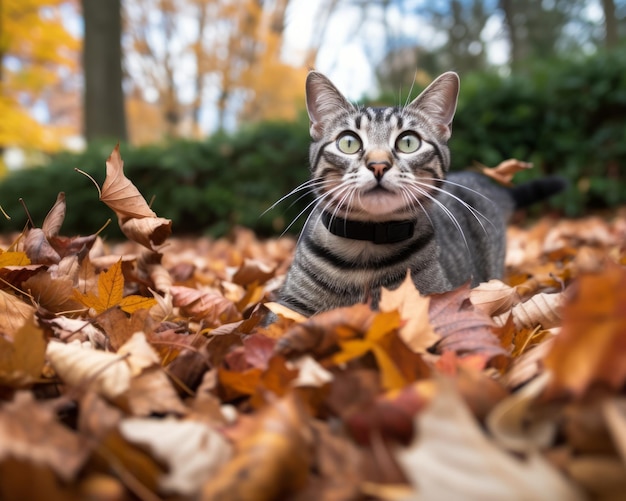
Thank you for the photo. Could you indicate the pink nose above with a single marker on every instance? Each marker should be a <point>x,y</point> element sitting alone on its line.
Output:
<point>379,168</point>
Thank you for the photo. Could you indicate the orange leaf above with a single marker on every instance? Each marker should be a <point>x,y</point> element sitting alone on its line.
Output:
<point>416,331</point>
<point>110,291</point>
<point>591,347</point>
<point>12,258</point>
<point>131,304</point>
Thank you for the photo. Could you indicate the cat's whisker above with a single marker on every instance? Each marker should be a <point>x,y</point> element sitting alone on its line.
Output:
<point>475,212</point>
<point>414,203</point>
<point>315,203</point>
<point>307,185</point>
<point>446,211</point>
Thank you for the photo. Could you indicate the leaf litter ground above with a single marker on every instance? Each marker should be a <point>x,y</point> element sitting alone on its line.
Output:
<point>145,370</point>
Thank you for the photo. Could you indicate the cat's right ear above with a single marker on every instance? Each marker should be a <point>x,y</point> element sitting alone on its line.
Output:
<point>323,101</point>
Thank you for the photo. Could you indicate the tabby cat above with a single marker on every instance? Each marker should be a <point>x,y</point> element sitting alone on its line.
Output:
<point>384,205</point>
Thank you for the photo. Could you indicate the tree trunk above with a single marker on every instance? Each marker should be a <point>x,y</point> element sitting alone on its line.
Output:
<point>611,36</point>
<point>102,65</point>
<point>515,45</point>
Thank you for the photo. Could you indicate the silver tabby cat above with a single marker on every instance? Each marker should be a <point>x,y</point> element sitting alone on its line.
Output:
<point>384,205</point>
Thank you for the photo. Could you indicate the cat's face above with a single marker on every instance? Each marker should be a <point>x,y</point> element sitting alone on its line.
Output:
<point>373,163</point>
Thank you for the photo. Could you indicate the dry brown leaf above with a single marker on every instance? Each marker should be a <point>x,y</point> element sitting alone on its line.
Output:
<point>192,450</point>
<point>210,307</point>
<point>253,270</point>
<point>416,330</point>
<point>503,172</point>
<point>464,329</point>
<point>148,231</point>
<point>515,428</point>
<point>494,297</point>
<point>38,249</point>
<point>273,457</point>
<point>14,313</point>
<point>54,219</point>
<point>591,347</point>
<point>29,431</point>
<point>106,373</point>
<point>120,194</point>
<point>453,459</point>
<point>540,310</point>
<point>22,359</point>
<point>614,411</point>
<point>319,335</point>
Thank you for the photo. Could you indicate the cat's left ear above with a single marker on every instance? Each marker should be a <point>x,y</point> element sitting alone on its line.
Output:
<point>323,101</point>
<point>438,101</point>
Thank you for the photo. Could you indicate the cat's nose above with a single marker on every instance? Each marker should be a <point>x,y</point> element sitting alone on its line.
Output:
<point>379,168</point>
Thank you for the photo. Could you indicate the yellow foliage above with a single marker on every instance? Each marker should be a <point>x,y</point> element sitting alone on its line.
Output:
<point>37,43</point>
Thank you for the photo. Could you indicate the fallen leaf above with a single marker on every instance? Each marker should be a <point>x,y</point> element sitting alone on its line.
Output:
<point>120,194</point>
<point>540,310</point>
<point>111,293</point>
<point>55,217</point>
<point>416,330</point>
<point>451,458</point>
<point>273,457</point>
<point>14,313</point>
<point>503,172</point>
<point>192,450</point>
<point>591,346</point>
<point>29,431</point>
<point>22,358</point>
<point>106,373</point>
<point>463,328</point>
<point>494,297</point>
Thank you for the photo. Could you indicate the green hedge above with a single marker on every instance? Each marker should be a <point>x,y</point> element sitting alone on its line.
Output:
<point>567,118</point>
<point>204,187</point>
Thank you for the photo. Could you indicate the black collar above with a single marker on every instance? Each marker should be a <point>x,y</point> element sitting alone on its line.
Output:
<point>388,232</point>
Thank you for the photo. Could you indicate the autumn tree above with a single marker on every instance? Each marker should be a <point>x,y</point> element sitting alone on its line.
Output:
<point>37,58</point>
<point>222,56</point>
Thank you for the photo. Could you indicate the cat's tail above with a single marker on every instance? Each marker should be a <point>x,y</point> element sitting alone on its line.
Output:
<point>537,190</point>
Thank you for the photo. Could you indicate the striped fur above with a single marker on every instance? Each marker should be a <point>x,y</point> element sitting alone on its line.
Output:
<point>398,173</point>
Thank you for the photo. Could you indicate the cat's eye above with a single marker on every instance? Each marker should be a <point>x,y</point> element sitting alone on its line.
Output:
<point>409,142</point>
<point>349,143</point>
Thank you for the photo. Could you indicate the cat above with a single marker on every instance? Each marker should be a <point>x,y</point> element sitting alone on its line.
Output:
<point>385,204</point>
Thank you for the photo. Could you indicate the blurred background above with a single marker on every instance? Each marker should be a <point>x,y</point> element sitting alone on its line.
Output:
<point>207,96</point>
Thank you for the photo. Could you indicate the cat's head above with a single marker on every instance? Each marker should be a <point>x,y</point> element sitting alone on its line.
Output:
<point>373,163</point>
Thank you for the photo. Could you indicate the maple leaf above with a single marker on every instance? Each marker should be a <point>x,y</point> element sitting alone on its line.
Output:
<point>13,258</point>
<point>416,330</point>
<point>376,341</point>
<point>111,293</point>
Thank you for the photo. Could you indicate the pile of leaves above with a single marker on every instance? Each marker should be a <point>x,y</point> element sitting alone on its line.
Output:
<point>149,370</point>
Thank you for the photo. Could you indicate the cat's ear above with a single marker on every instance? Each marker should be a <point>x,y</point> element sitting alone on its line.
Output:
<point>323,101</point>
<point>438,101</point>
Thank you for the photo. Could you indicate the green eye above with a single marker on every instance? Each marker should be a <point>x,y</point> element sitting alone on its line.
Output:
<point>409,142</point>
<point>348,143</point>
